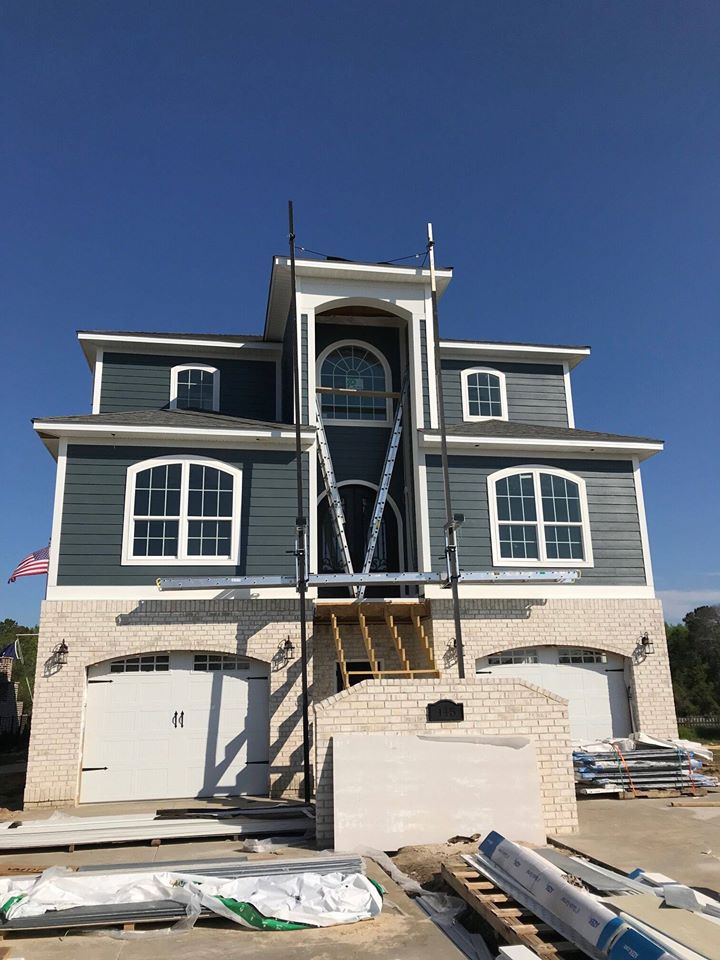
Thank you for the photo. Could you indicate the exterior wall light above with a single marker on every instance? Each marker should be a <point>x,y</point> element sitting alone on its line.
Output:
<point>647,644</point>
<point>60,654</point>
<point>288,649</point>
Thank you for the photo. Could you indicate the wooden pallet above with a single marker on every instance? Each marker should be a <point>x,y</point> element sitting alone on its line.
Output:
<point>512,922</point>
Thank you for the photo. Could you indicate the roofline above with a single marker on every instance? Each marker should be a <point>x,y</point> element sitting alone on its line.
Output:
<point>279,436</point>
<point>352,270</point>
<point>641,449</point>
<point>570,354</point>
<point>138,339</point>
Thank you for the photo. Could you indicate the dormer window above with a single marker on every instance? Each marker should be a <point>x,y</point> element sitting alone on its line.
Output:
<point>483,394</point>
<point>195,387</point>
<point>354,365</point>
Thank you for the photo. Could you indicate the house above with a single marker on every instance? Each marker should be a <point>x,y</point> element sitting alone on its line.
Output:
<point>185,467</point>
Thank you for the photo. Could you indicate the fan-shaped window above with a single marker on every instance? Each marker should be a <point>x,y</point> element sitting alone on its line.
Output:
<point>195,387</point>
<point>539,517</point>
<point>483,394</point>
<point>354,366</point>
<point>182,510</point>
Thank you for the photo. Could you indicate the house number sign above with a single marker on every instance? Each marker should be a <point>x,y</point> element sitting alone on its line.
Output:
<point>444,711</point>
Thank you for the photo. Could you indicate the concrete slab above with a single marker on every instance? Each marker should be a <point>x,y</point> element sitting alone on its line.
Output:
<point>402,931</point>
<point>681,842</point>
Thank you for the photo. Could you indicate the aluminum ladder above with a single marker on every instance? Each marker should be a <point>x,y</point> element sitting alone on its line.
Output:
<point>384,488</point>
<point>337,513</point>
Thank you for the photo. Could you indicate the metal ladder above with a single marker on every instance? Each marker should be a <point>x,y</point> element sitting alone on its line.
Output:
<point>384,488</point>
<point>336,508</point>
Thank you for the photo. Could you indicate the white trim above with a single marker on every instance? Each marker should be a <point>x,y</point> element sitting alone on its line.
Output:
<point>395,509</point>
<point>642,516</point>
<point>174,371</point>
<point>415,355</point>
<point>337,345</point>
<point>430,346</point>
<point>57,515</point>
<point>334,269</point>
<point>183,558</point>
<point>278,389</point>
<point>97,381</point>
<point>312,453</point>
<point>542,591</point>
<point>465,389</point>
<point>422,515</point>
<point>568,394</point>
<point>224,344</point>
<point>150,592</point>
<point>543,561</point>
<point>520,443</point>
<point>195,433</point>
<point>573,354</point>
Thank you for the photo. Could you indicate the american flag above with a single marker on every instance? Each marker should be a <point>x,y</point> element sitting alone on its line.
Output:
<point>36,562</point>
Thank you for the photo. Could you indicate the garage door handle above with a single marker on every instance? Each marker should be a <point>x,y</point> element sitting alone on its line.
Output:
<point>182,718</point>
<point>174,719</point>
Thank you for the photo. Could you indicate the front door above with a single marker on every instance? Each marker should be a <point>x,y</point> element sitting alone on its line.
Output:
<point>358,502</point>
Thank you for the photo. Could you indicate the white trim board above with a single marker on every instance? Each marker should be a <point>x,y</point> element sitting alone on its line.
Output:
<point>644,537</point>
<point>97,382</point>
<point>568,394</point>
<point>570,447</point>
<point>57,515</point>
<point>515,351</point>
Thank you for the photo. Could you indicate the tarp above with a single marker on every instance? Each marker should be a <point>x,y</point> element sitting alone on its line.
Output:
<point>305,899</point>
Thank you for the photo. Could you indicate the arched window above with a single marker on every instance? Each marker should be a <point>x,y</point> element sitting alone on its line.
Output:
<point>182,510</point>
<point>194,386</point>
<point>353,365</point>
<point>483,394</point>
<point>539,517</point>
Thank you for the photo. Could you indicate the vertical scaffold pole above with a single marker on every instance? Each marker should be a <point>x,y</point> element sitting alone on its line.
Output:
<point>301,519</point>
<point>451,524</point>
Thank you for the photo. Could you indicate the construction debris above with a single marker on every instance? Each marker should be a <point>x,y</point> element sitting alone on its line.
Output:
<point>63,830</point>
<point>638,764</point>
<point>277,894</point>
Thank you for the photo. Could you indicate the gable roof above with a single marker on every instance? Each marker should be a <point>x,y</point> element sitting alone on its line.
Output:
<point>513,428</point>
<point>192,419</point>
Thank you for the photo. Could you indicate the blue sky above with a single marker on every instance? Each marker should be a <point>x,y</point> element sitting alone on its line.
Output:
<point>566,152</point>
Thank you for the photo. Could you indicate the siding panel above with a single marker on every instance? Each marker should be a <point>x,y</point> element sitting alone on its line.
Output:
<point>614,518</point>
<point>134,381</point>
<point>92,524</point>
<point>535,392</point>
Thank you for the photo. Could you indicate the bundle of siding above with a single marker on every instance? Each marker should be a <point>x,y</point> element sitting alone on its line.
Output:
<point>639,762</point>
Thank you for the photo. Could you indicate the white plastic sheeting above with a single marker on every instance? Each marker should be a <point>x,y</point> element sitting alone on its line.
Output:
<point>320,900</point>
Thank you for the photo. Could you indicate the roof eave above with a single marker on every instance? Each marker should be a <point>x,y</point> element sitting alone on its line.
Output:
<point>515,351</point>
<point>630,448</point>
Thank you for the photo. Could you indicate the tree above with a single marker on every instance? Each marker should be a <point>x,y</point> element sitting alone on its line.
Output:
<point>694,650</point>
<point>23,668</point>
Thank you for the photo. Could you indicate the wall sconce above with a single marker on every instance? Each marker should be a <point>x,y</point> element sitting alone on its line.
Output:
<point>646,643</point>
<point>288,649</point>
<point>451,655</point>
<point>60,654</point>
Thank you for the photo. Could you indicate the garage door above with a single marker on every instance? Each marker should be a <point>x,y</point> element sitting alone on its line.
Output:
<point>179,724</point>
<point>591,681</point>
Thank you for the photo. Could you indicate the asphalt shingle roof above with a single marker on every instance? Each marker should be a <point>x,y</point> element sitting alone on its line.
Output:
<point>193,419</point>
<point>533,431</point>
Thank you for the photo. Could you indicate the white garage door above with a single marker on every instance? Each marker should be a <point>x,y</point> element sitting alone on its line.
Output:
<point>591,681</point>
<point>175,725</point>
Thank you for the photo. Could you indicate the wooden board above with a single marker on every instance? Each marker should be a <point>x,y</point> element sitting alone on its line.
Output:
<point>513,922</point>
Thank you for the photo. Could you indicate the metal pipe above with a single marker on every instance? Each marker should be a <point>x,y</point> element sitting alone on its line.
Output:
<point>450,523</point>
<point>301,520</point>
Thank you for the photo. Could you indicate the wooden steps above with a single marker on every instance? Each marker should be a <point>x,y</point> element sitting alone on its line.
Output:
<point>514,923</point>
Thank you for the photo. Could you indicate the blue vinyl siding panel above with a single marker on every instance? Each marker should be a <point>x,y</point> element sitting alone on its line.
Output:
<point>133,381</point>
<point>93,511</point>
<point>426,372</point>
<point>614,517</point>
<point>535,391</point>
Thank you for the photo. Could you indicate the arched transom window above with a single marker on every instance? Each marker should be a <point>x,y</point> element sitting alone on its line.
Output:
<point>483,394</point>
<point>182,510</point>
<point>195,387</point>
<point>539,517</point>
<point>354,366</point>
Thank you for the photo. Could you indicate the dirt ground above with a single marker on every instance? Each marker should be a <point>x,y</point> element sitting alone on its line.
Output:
<point>423,863</point>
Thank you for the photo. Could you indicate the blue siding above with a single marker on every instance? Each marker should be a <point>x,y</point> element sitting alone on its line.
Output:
<point>93,506</point>
<point>535,391</point>
<point>133,381</point>
<point>614,517</point>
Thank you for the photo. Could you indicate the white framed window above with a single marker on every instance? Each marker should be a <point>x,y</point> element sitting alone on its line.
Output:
<point>521,655</point>
<point>194,386</point>
<point>182,510</point>
<point>579,655</point>
<point>484,394</point>
<point>207,662</point>
<point>149,663</point>
<point>354,365</point>
<point>539,518</point>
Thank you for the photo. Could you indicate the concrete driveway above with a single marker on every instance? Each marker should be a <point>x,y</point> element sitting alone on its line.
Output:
<point>401,932</point>
<point>681,842</point>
